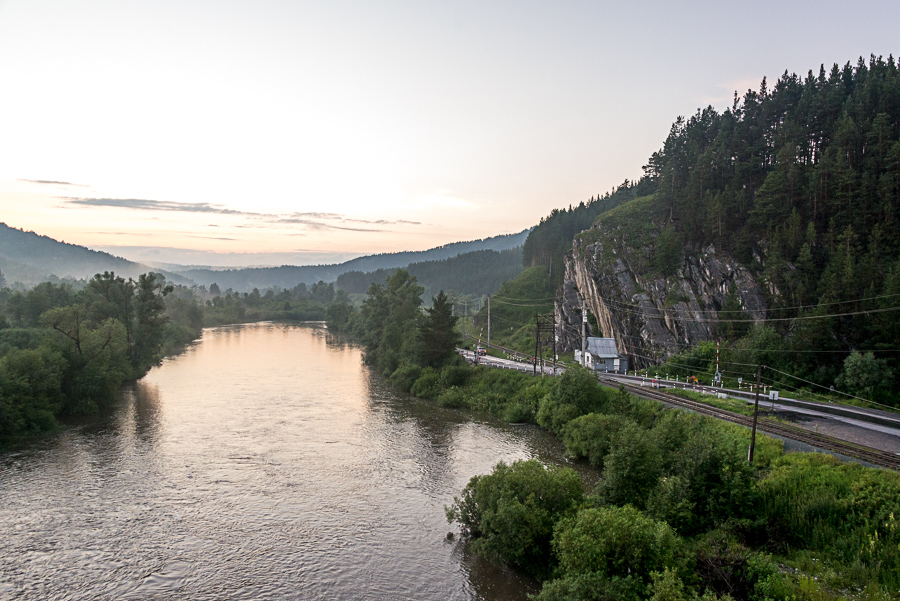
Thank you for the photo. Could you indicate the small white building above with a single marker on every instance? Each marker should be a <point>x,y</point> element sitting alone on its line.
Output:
<point>602,355</point>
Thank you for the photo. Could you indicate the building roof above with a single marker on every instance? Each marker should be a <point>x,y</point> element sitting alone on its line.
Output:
<point>602,348</point>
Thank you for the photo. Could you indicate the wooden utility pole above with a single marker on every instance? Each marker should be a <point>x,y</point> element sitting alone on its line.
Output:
<point>755,414</point>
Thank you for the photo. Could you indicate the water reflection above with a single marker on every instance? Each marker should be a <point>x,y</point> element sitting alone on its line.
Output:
<point>264,462</point>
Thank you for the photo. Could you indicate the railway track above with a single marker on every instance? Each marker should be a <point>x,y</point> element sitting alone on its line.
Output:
<point>818,441</point>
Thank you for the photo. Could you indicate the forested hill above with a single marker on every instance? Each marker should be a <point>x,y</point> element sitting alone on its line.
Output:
<point>781,211</point>
<point>474,273</point>
<point>402,259</point>
<point>549,241</point>
<point>288,276</point>
<point>30,258</point>
<point>800,179</point>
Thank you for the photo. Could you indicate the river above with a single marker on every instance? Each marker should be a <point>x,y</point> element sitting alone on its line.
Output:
<point>264,462</point>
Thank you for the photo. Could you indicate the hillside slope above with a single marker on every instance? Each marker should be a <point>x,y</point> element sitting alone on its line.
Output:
<point>30,258</point>
<point>783,208</point>
<point>472,273</point>
<point>288,276</point>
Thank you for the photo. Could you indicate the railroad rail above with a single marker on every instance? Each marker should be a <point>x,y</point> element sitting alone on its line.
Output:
<point>819,441</point>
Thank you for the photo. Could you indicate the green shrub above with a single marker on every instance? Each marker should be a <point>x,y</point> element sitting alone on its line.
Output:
<point>632,469</point>
<point>518,413</point>
<point>455,375</point>
<point>614,541</point>
<point>727,567</point>
<point>452,398</point>
<point>405,376</point>
<point>717,481</point>
<point>553,415</point>
<point>668,586</point>
<point>592,586</point>
<point>30,392</point>
<point>510,513</point>
<point>428,383</point>
<point>591,436</point>
<point>578,387</point>
<point>670,501</point>
<point>844,511</point>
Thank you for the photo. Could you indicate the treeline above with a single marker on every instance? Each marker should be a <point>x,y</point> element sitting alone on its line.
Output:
<point>473,273</point>
<point>400,338</point>
<point>65,352</point>
<point>548,243</point>
<point>300,303</point>
<point>801,181</point>
<point>794,172</point>
<point>65,349</point>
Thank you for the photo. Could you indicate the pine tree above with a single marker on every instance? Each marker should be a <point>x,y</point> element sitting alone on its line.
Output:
<point>437,333</point>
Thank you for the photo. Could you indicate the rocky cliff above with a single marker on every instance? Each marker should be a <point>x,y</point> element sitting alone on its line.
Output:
<point>650,314</point>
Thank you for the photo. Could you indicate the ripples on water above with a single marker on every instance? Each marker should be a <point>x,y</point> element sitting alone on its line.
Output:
<point>264,462</point>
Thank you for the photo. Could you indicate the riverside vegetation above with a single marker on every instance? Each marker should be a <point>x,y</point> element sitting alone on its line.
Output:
<point>67,347</point>
<point>679,513</point>
<point>69,351</point>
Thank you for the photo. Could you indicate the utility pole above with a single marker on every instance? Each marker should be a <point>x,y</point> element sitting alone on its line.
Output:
<point>555,340</point>
<point>755,413</point>
<point>583,333</point>
<point>477,346</point>
<point>489,322</point>
<point>465,317</point>
<point>718,377</point>
<point>544,325</point>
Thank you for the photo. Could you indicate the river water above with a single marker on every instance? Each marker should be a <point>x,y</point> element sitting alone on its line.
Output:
<point>264,462</point>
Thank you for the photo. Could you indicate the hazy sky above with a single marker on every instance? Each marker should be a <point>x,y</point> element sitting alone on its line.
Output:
<point>359,127</point>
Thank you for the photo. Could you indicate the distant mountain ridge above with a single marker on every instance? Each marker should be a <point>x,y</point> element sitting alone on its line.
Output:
<point>288,276</point>
<point>30,258</point>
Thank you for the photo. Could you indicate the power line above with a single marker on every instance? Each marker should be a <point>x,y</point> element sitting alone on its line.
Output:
<point>549,298</point>
<point>799,307</point>
<point>768,319</point>
<point>777,382</point>
<point>847,394</point>
<point>520,305</point>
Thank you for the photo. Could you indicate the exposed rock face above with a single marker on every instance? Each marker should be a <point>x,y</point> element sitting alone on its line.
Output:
<point>651,317</point>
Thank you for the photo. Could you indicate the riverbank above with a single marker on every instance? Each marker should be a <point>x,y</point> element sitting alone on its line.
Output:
<point>794,524</point>
<point>265,461</point>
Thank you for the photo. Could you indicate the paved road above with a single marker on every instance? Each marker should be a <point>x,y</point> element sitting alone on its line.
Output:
<point>873,428</point>
<point>490,361</point>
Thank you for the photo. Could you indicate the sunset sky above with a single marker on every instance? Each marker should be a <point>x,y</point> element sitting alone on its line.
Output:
<point>307,132</point>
